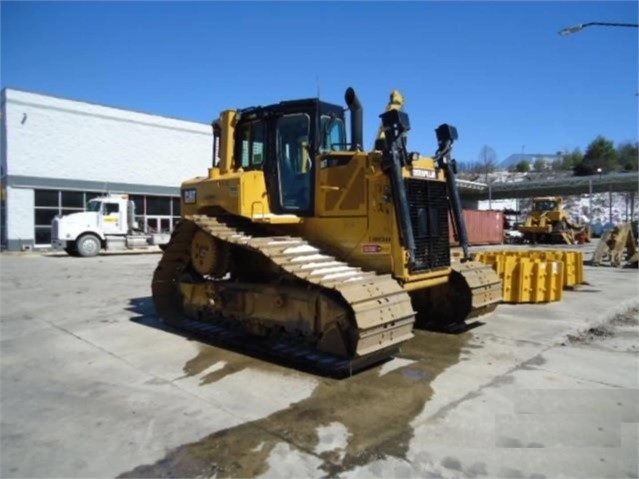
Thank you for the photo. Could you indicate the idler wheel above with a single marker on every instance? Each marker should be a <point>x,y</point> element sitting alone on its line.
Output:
<point>209,256</point>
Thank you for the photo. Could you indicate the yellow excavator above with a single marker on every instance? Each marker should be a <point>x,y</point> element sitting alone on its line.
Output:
<point>309,248</point>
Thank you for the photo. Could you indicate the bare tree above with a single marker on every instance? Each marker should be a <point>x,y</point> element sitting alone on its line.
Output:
<point>487,160</point>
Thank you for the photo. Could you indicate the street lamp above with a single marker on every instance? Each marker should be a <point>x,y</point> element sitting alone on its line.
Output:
<point>570,31</point>
<point>581,26</point>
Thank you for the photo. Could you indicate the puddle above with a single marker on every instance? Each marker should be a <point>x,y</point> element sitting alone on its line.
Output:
<point>415,374</point>
<point>213,364</point>
<point>373,414</point>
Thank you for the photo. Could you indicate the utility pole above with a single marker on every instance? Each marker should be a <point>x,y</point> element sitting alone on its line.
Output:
<point>590,200</point>
<point>610,205</point>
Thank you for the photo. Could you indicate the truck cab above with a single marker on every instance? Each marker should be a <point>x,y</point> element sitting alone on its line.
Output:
<point>107,223</point>
<point>111,213</point>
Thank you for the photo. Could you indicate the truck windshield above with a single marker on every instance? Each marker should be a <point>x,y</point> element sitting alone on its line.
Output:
<point>94,205</point>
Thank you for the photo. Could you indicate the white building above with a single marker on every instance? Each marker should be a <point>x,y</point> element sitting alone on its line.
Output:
<point>58,153</point>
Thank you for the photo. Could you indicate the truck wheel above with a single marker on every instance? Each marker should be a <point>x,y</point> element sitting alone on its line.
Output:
<point>88,245</point>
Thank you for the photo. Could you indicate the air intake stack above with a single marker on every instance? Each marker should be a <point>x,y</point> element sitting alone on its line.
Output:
<point>357,119</point>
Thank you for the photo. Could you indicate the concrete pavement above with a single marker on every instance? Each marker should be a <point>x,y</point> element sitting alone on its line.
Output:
<point>93,386</point>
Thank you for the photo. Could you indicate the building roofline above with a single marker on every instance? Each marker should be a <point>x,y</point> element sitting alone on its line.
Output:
<point>102,105</point>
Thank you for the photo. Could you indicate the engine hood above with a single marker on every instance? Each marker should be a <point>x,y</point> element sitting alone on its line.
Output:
<point>86,219</point>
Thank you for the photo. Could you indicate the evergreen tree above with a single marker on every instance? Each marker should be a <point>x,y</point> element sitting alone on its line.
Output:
<point>601,153</point>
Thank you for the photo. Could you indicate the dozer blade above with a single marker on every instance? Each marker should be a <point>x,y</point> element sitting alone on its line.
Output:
<point>616,245</point>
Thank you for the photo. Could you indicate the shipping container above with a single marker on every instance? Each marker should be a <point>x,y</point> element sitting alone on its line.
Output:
<point>484,227</point>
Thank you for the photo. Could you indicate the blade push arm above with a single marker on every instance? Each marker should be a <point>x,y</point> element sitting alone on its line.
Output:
<point>446,136</point>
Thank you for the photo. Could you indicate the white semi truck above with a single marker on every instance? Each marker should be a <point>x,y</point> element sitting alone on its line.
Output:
<point>108,224</point>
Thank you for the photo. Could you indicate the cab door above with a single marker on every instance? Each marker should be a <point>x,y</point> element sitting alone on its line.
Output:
<point>112,219</point>
<point>294,166</point>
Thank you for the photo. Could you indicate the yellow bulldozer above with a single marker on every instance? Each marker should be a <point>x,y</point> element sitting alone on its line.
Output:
<point>548,222</point>
<point>315,249</point>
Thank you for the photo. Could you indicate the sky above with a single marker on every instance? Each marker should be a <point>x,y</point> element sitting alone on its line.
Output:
<point>498,71</point>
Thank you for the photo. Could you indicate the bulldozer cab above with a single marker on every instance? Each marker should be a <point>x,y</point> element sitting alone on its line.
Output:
<point>546,204</point>
<point>282,140</point>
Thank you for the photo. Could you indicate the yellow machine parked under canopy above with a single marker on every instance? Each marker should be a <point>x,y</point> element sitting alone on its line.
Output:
<point>548,222</point>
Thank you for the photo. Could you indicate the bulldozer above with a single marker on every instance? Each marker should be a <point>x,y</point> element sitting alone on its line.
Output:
<point>316,249</point>
<point>548,223</point>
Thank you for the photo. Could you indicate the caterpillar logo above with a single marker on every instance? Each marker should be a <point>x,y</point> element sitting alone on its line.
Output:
<point>189,196</point>
<point>421,173</point>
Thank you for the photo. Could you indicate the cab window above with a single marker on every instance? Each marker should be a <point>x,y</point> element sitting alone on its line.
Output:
<point>249,147</point>
<point>333,134</point>
<point>110,208</point>
<point>294,161</point>
<point>546,205</point>
<point>94,206</point>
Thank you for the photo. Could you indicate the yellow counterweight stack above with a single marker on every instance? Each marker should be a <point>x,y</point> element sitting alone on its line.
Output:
<point>535,276</point>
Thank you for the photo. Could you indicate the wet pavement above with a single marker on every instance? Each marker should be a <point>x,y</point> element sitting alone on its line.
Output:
<point>344,423</point>
<point>94,386</point>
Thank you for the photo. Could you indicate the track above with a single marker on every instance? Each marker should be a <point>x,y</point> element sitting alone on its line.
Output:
<point>484,288</point>
<point>375,313</point>
<point>472,290</point>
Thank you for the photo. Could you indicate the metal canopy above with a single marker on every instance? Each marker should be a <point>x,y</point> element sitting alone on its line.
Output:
<point>574,185</point>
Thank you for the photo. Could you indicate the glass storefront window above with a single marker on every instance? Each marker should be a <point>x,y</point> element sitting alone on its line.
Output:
<point>165,225</point>
<point>47,198</point>
<point>138,201</point>
<point>68,211</point>
<point>73,199</point>
<point>158,205</point>
<point>44,217</point>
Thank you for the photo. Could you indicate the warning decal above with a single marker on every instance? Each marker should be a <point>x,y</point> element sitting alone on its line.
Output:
<point>371,248</point>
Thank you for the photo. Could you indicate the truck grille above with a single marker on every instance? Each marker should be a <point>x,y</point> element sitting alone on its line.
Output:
<point>428,208</point>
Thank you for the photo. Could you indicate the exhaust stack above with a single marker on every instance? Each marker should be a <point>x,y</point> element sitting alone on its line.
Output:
<point>357,119</point>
